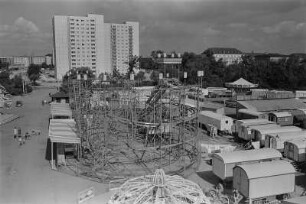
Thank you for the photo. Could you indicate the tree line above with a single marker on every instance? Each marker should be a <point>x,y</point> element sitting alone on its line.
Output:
<point>287,74</point>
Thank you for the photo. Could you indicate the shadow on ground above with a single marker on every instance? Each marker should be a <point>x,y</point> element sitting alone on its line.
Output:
<point>209,177</point>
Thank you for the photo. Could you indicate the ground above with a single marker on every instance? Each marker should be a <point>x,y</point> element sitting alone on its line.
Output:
<point>25,175</point>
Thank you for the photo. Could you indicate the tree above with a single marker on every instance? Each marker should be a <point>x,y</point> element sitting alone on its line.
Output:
<point>133,64</point>
<point>73,75</point>
<point>140,76</point>
<point>13,86</point>
<point>154,53</point>
<point>34,72</point>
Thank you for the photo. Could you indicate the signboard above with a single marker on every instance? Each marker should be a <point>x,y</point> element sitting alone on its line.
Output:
<point>86,195</point>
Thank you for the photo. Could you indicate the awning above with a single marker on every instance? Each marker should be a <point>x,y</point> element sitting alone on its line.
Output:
<point>60,109</point>
<point>63,131</point>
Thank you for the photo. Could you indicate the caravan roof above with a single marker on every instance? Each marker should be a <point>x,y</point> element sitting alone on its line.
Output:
<point>267,169</point>
<point>281,114</point>
<point>255,121</point>
<point>248,155</point>
<point>300,143</point>
<point>278,129</point>
<point>213,115</point>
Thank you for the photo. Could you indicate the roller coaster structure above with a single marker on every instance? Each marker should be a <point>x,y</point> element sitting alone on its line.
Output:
<point>129,132</point>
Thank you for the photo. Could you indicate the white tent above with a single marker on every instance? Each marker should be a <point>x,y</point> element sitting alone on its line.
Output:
<point>62,131</point>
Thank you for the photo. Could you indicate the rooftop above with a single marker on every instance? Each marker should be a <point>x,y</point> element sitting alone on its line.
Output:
<point>267,169</point>
<point>60,95</point>
<point>273,104</point>
<point>222,50</point>
<point>248,155</point>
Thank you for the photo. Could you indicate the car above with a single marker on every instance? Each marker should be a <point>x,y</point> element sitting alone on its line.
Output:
<point>19,103</point>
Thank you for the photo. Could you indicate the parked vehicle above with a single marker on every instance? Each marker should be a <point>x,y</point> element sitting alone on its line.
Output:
<point>19,103</point>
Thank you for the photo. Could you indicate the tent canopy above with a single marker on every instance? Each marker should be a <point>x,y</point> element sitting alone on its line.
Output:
<point>63,131</point>
<point>241,83</point>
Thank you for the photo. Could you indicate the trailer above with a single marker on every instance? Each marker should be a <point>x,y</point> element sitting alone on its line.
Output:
<point>299,117</point>
<point>295,149</point>
<point>246,133</point>
<point>281,118</point>
<point>240,127</point>
<point>259,133</point>
<point>223,163</point>
<point>296,200</point>
<point>277,140</point>
<point>221,122</point>
<point>265,179</point>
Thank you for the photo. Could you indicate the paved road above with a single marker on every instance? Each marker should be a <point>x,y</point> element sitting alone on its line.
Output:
<point>25,175</point>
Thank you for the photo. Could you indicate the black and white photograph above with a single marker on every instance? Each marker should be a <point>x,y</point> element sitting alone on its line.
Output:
<point>153,101</point>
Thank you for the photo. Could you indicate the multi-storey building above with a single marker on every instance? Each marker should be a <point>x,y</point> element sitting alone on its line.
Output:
<point>22,61</point>
<point>227,55</point>
<point>49,60</point>
<point>89,42</point>
<point>38,60</point>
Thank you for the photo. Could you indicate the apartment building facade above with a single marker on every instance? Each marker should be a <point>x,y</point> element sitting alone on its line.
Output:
<point>87,41</point>
<point>227,55</point>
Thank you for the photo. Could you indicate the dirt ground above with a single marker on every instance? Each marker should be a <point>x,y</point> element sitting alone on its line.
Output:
<point>25,175</point>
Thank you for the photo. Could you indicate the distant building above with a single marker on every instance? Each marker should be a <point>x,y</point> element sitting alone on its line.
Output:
<point>49,60</point>
<point>8,60</point>
<point>38,60</point>
<point>23,61</point>
<point>86,41</point>
<point>169,63</point>
<point>227,55</point>
<point>301,56</point>
<point>268,57</point>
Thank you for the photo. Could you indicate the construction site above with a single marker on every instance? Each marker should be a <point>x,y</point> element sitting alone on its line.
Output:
<point>127,131</point>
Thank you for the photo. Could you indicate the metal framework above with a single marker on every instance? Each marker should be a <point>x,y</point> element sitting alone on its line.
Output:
<point>127,132</point>
<point>159,188</point>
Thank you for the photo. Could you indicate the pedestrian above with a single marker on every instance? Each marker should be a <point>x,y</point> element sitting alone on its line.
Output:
<point>15,133</point>
<point>26,136</point>
<point>23,140</point>
<point>19,132</point>
<point>20,140</point>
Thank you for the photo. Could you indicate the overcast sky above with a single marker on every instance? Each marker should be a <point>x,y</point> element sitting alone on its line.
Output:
<point>180,25</point>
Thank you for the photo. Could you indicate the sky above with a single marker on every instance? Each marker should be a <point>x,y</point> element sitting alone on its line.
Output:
<point>275,26</point>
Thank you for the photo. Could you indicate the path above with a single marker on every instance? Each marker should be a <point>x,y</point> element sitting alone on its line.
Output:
<point>25,175</point>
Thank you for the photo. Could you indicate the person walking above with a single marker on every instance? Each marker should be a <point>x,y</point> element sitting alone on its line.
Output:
<point>26,136</point>
<point>15,133</point>
<point>20,140</point>
<point>19,136</point>
<point>19,132</point>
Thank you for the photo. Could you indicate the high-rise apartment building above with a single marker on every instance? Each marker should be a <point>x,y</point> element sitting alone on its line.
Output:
<point>89,42</point>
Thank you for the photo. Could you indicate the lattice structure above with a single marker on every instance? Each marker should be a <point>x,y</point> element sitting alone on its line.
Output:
<point>127,132</point>
<point>159,188</point>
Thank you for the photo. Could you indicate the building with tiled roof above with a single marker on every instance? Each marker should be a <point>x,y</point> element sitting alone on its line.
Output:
<point>227,55</point>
